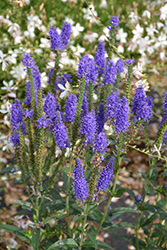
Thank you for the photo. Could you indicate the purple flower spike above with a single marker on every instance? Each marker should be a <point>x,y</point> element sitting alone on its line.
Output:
<point>88,127</point>
<point>114,22</point>
<point>71,107</point>
<point>100,58</point>
<point>100,119</point>
<point>119,66</point>
<point>84,108</point>
<point>112,104</point>
<point>121,117</point>
<point>65,34</point>
<point>50,106</point>
<point>59,42</point>
<point>142,106</point>
<point>129,61</point>
<point>110,73</point>
<point>28,94</point>
<point>16,120</point>
<point>80,184</point>
<point>100,144</point>
<point>60,132</point>
<point>55,38</point>
<point>29,63</point>
<point>165,102</point>
<point>86,69</point>
<point>106,175</point>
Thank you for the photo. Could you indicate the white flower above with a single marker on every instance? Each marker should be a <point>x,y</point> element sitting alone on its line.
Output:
<point>106,34</point>
<point>90,14</point>
<point>66,90</point>
<point>162,55</point>
<point>65,60</point>
<point>162,41</point>
<point>137,71</point>
<point>108,129</point>
<point>121,35</point>
<point>18,72</point>
<point>138,31</point>
<point>159,25</point>
<point>163,11</point>
<point>134,17</point>
<point>44,80</point>
<point>30,32</point>
<point>50,65</point>
<point>45,43</point>
<point>7,145</point>
<point>146,13</point>
<point>14,27</point>
<point>5,60</point>
<point>150,30</point>
<point>77,29</point>
<point>69,20</point>
<point>120,49</point>
<point>91,36</point>
<point>103,4</point>
<point>8,86</point>
<point>77,50</point>
<point>144,83</point>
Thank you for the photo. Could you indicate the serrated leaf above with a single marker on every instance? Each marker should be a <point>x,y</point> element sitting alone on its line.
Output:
<point>149,220</point>
<point>49,219</point>
<point>122,210</point>
<point>63,243</point>
<point>23,204</point>
<point>7,170</point>
<point>120,191</point>
<point>78,217</point>
<point>35,237</point>
<point>20,233</point>
<point>149,189</point>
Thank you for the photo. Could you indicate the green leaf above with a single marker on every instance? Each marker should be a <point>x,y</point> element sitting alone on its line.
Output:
<point>148,220</point>
<point>149,189</point>
<point>23,204</point>
<point>120,191</point>
<point>23,211</point>
<point>7,170</point>
<point>54,194</point>
<point>20,233</point>
<point>122,210</point>
<point>78,217</point>
<point>53,217</point>
<point>152,245</point>
<point>63,243</point>
<point>91,233</point>
<point>119,225</point>
<point>35,237</point>
<point>103,245</point>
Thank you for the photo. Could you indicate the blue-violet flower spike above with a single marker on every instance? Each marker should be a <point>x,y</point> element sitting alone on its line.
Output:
<point>80,184</point>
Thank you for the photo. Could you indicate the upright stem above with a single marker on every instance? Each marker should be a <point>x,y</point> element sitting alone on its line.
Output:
<point>67,196</point>
<point>140,214</point>
<point>86,209</point>
<point>108,204</point>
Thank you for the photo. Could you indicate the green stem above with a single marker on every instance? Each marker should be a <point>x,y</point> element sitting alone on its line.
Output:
<point>67,196</point>
<point>86,209</point>
<point>108,204</point>
<point>140,214</point>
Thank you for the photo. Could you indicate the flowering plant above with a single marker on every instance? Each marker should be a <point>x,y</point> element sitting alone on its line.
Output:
<point>65,139</point>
